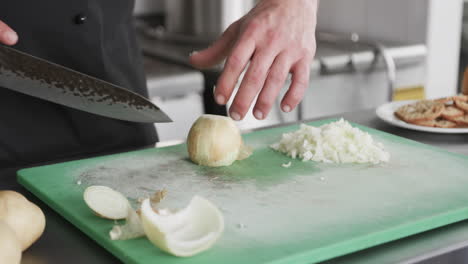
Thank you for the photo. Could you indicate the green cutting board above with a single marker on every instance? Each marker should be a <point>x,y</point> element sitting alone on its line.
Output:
<point>306,213</point>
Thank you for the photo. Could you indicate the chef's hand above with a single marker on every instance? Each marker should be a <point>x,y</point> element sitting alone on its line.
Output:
<point>277,37</point>
<point>7,35</point>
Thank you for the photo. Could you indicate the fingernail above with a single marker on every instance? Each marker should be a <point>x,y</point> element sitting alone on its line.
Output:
<point>286,108</point>
<point>235,116</point>
<point>11,36</point>
<point>193,53</point>
<point>258,114</point>
<point>220,99</point>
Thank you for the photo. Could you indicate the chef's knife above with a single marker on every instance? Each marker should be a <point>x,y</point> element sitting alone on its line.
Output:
<point>33,76</point>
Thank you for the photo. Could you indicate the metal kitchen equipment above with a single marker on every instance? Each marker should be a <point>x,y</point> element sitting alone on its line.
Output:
<point>348,41</point>
<point>33,76</point>
<point>354,39</point>
<point>203,19</point>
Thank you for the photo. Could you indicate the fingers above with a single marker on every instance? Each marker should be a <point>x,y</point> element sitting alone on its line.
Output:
<point>300,83</point>
<point>216,53</point>
<point>275,81</point>
<point>7,35</point>
<point>235,64</point>
<point>252,83</point>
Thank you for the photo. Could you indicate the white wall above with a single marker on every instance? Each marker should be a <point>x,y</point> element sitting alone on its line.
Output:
<point>443,41</point>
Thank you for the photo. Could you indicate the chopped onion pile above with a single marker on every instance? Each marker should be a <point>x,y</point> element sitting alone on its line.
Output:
<point>337,142</point>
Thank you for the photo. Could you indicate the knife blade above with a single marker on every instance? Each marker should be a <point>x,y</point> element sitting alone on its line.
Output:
<point>36,77</point>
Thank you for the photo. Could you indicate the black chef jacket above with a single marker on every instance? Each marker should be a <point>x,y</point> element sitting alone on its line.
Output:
<point>95,37</point>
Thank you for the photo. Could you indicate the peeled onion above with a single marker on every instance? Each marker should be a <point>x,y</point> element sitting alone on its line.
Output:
<point>215,141</point>
<point>24,217</point>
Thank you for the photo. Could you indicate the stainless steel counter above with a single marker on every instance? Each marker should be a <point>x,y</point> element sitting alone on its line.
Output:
<point>63,243</point>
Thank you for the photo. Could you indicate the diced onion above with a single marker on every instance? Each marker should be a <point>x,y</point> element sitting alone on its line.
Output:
<point>337,142</point>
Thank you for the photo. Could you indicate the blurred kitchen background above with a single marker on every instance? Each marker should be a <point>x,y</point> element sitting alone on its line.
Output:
<point>369,52</point>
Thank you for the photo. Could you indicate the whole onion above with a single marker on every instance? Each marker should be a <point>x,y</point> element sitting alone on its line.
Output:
<point>215,141</point>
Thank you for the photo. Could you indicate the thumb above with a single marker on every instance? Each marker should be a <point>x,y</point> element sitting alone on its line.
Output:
<point>7,35</point>
<point>214,54</point>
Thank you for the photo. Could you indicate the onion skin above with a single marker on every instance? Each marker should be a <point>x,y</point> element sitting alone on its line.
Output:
<point>25,218</point>
<point>214,141</point>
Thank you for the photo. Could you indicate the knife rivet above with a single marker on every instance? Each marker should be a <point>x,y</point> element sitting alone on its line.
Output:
<point>80,19</point>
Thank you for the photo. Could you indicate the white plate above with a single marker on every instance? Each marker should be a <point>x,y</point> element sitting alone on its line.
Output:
<point>386,113</point>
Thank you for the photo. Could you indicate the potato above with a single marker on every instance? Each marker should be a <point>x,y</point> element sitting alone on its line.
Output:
<point>10,247</point>
<point>25,218</point>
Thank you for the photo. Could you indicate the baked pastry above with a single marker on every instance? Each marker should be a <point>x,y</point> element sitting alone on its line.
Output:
<point>461,120</point>
<point>427,123</point>
<point>463,105</point>
<point>424,110</point>
<point>452,112</point>
<point>442,123</point>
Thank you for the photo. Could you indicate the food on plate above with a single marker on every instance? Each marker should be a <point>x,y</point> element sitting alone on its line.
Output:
<point>439,122</point>
<point>462,121</point>
<point>449,100</point>
<point>10,246</point>
<point>420,111</point>
<point>24,217</point>
<point>428,123</point>
<point>336,142</point>
<point>452,112</point>
<point>462,104</point>
<point>216,141</point>
<point>444,100</point>
<point>186,232</point>
<point>442,123</point>
<point>106,202</point>
<point>461,97</point>
<point>447,112</point>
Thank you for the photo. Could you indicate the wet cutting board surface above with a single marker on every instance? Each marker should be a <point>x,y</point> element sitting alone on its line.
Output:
<point>306,213</point>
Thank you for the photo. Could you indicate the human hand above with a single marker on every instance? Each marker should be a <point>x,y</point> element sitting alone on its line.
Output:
<point>7,35</point>
<point>278,38</point>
